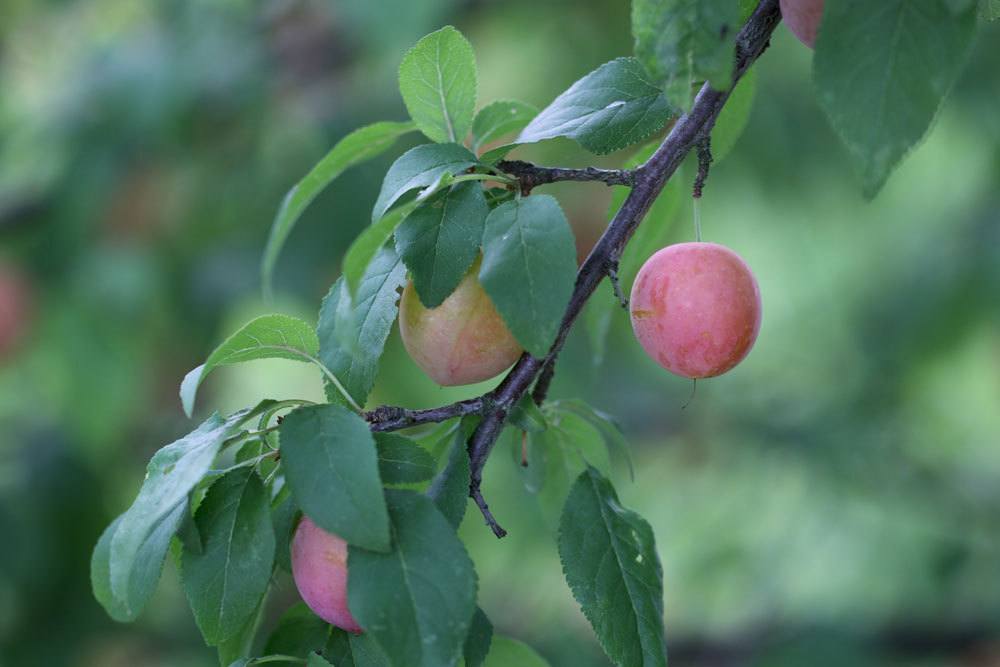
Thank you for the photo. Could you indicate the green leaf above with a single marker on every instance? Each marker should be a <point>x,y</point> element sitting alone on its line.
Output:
<point>614,106</point>
<point>477,643</point>
<point>367,245</point>
<point>610,563</point>
<point>226,582</point>
<point>240,645</point>
<point>138,545</point>
<point>683,41</point>
<point>450,489</point>
<point>526,416</point>
<point>402,461</point>
<point>439,241</point>
<point>499,119</point>
<point>352,337</point>
<point>144,575</point>
<point>607,426</point>
<point>328,455</point>
<point>529,268</point>
<point>420,167</point>
<point>284,513</point>
<point>437,79</point>
<point>416,601</point>
<point>316,660</point>
<point>299,632</point>
<point>360,145</point>
<point>266,337</point>
<point>989,9</point>
<point>734,116</point>
<point>507,652</point>
<point>881,81</point>
<point>365,652</point>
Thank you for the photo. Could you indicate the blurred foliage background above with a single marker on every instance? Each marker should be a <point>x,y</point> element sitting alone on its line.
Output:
<point>833,501</point>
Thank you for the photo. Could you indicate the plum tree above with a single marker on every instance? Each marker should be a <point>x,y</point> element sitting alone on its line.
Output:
<point>464,340</point>
<point>696,309</point>
<point>802,17</point>
<point>319,567</point>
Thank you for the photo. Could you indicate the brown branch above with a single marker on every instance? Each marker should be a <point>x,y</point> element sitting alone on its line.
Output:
<point>647,181</point>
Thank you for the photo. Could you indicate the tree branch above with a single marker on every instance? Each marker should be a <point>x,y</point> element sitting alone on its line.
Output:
<point>647,181</point>
<point>532,176</point>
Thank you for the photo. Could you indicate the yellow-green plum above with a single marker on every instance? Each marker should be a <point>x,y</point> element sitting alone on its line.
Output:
<point>319,567</point>
<point>696,309</point>
<point>464,340</point>
<point>802,17</point>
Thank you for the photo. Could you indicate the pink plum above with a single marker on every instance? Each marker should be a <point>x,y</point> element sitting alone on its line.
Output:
<point>464,340</point>
<point>802,17</point>
<point>696,309</point>
<point>319,567</point>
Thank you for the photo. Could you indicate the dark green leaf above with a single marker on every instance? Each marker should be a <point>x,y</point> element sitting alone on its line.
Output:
<point>526,416</point>
<point>358,146</point>
<point>605,424</point>
<point>416,601</point>
<point>226,582</point>
<point>139,543</point>
<point>989,9</point>
<point>529,268</point>
<point>439,241</point>
<point>266,337</point>
<point>330,464</point>
<point>316,660</point>
<point>366,653</point>
<point>477,643</point>
<point>437,80</point>
<point>145,573</point>
<point>881,81</point>
<point>614,106</point>
<point>284,515</point>
<point>359,255</point>
<point>507,652</point>
<point>610,563</point>
<point>402,461</point>
<point>240,645</point>
<point>352,332</point>
<point>420,167</point>
<point>299,633</point>
<point>450,489</point>
<point>499,119</point>
<point>684,41</point>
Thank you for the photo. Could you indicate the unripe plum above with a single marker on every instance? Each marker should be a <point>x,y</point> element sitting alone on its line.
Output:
<point>464,340</point>
<point>802,17</point>
<point>696,309</point>
<point>319,567</point>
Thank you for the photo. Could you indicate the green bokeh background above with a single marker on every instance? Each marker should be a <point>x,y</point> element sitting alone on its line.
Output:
<point>835,500</point>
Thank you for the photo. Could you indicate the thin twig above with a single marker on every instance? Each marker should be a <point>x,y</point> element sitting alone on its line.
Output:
<point>531,176</point>
<point>393,418</point>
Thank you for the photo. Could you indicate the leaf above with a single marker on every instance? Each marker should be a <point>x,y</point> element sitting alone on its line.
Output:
<point>352,337</point>
<point>499,119</point>
<point>882,80</point>
<point>328,455</point>
<point>437,79</point>
<point>683,41</point>
<point>266,337</point>
<point>529,268</point>
<point>416,601</point>
<point>284,515</point>
<point>614,106</point>
<point>142,579</point>
<point>989,9</point>
<point>526,416</point>
<point>240,645</point>
<point>439,242</point>
<point>316,660</point>
<point>402,461</point>
<point>226,582</point>
<point>420,167</point>
<point>605,424</point>
<point>367,245</point>
<point>366,653</point>
<point>477,643</point>
<point>610,563</point>
<point>359,146</point>
<point>299,632</point>
<point>139,543</point>
<point>734,116</point>
<point>450,489</point>
<point>507,652</point>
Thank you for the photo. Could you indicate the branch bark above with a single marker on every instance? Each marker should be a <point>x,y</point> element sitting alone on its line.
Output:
<point>647,181</point>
